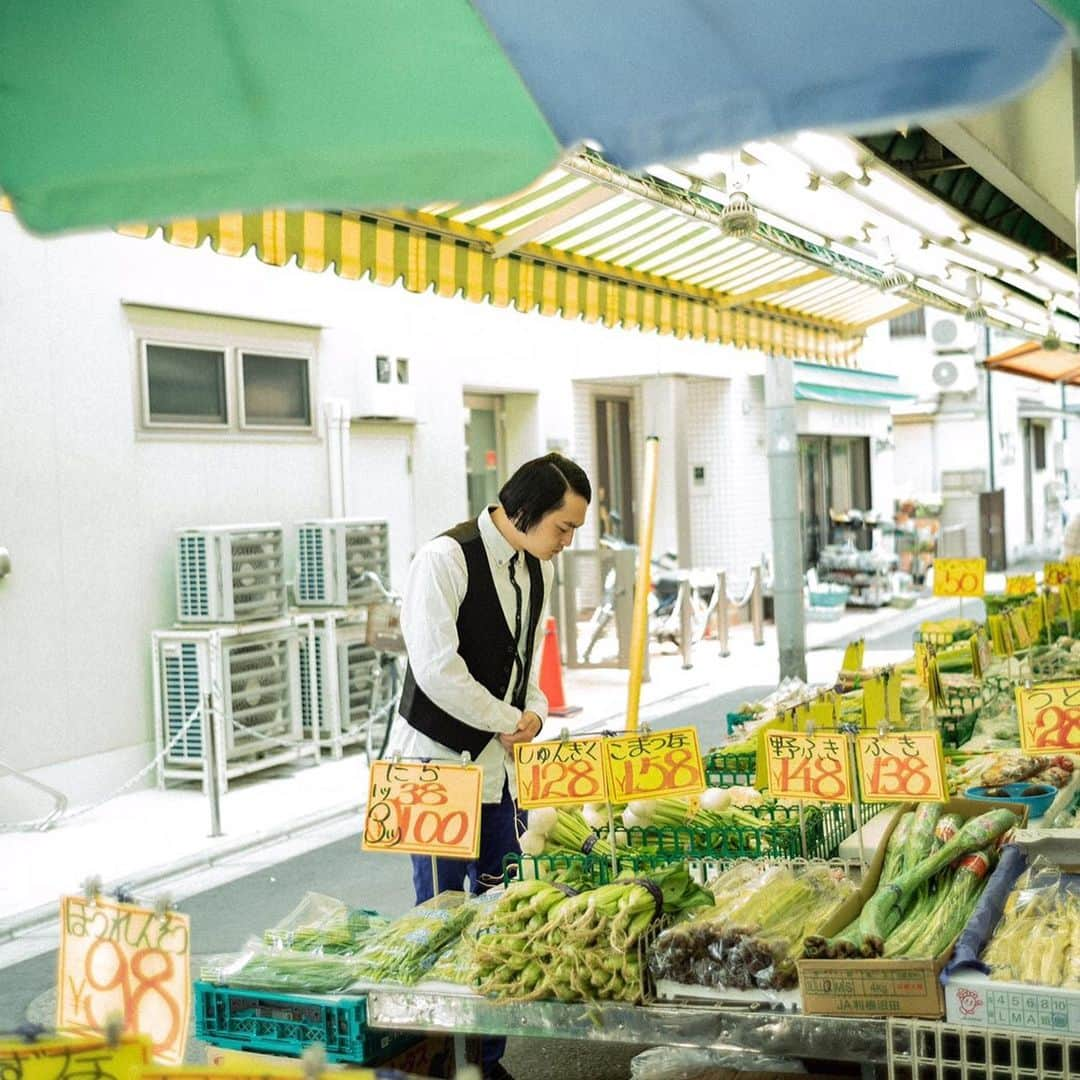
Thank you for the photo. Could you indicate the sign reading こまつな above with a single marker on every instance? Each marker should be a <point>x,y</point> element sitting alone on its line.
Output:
<point>559,773</point>
<point>424,808</point>
<point>651,766</point>
<point>959,577</point>
<point>903,767</point>
<point>814,768</point>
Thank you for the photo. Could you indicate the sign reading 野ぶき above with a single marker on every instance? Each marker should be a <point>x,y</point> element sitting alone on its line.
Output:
<point>901,767</point>
<point>959,577</point>
<point>816,768</point>
<point>1020,584</point>
<point>654,765</point>
<point>559,773</point>
<point>424,808</point>
<point>91,1058</point>
<point>1049,717</point>
<point>126,960</point>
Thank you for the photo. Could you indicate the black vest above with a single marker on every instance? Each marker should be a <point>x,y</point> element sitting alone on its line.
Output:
<point>485,643</point>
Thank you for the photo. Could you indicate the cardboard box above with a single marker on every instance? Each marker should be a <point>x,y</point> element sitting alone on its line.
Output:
<point>882,987</point>
<point>976,1000</point>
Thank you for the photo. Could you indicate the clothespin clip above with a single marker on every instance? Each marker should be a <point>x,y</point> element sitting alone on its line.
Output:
<point>30,1032</point>
<point>124,894</point>
<point>811,727</point>
<point>883,728</point>
<point>91,888</point>
<point>396,758</point>
<point>564,734</point>
<point>466,757</point>
<point>113,1029</point>
<point>163,905</point>
<point>313,1061</point>
<point>644,729</point>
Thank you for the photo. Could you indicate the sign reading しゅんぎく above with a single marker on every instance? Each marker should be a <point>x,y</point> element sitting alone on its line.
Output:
<point>125,960</point>
<point>901,767</point>
<point>814,768</point>
<point>1049,715</point>
<point>653,765</point>
<point>424,808</point>
<point>557,773</point>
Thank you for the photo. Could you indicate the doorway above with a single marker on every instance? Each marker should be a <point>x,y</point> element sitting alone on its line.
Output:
<point>485,450</point>
<point>614,469</point>
<point>834,473</point>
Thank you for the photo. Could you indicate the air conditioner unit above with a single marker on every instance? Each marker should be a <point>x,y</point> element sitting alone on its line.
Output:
<point>955,373</point>
<point>334,559</point>
<point>382,389</point>
<point>230,573</point>
<point>249,683</point>
<point>948,334</point>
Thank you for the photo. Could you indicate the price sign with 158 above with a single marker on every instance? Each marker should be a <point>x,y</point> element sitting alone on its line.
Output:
<point>424,808</point>
<point>959,577</point>
<point>127,960</point>
<point>559,773</point>
<point>1049,717</point>
<point>901,767</point>
<point>651,766</point>
<point>814,768</point>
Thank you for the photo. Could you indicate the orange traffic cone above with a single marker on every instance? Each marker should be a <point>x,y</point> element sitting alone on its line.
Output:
<point>551,673</point>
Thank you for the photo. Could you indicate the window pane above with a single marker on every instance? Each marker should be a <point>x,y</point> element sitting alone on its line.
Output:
<point>276,390</point>
<point>186,385</point>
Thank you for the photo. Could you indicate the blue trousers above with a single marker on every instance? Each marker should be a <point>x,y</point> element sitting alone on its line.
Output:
<point>499,826</point>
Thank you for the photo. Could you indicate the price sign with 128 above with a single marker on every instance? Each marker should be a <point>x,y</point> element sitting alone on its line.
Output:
<point>901,767</point>
<point>424,808</point>
<point>560,773</point>
<point>959,577</point>
<point>1049,717</point>
<point>814,768</point>
<point>651,766</point>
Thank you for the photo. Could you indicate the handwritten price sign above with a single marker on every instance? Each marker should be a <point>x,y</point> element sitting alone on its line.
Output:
<point>1020,585</point>
<point>119,958</point>
<point>68,1059</point>
<point>1049,717</point>
<point>1055,573</point>
<point>905,767</point>
<point>251,1069</point>
<point>816,768</point>
<point>559,773</point>
<point>424,809</point>
<point>654,766</point>
<point>959,577</point>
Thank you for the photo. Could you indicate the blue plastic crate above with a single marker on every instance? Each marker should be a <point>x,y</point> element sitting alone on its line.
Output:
<point>273,1023</point>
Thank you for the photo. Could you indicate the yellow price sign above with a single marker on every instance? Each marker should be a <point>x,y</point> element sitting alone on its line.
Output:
<point>252,1070</point>
<point>127,960</point>
<point>560,772</point>
<point>1049,717</point>
<point>959,577</point>
<point>853,655</point>
<point>67,1059</point>
<point>1020,585</point>
<point>901,767</point>
<point>1055,573</point>
<point>814,768</point>
<point>654,765</point>
<point>424,808</point>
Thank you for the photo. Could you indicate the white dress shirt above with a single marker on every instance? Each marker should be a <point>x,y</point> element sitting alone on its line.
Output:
<point>434,591</point>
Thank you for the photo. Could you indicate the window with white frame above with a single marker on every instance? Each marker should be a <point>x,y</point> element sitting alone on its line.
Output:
<point>209,380</point>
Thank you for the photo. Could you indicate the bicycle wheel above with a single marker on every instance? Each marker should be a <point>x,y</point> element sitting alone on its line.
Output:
<point>384,703</point>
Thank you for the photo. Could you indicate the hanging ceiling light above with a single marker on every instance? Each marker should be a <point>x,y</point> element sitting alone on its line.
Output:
<point>739,218</point>
<point>975,312</point>
<point>1051,341</point>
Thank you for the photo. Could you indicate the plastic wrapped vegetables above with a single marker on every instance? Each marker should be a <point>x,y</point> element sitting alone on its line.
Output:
<point>752,937</point>
<point>265,968</point>
<point>323,924</point>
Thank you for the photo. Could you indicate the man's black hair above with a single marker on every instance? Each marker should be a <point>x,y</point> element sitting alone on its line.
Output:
<point>540,486</point>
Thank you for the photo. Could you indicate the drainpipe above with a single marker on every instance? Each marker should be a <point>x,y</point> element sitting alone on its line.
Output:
<point>783,455</point>
<point>336,415</point>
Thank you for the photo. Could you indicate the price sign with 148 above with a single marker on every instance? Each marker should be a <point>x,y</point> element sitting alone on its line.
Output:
<point>813,768</point>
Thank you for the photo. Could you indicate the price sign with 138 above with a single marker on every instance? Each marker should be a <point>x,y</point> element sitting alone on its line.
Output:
<point>1049,717</point>
<point>424,808</point>
<point>814,768</point>
<point>959,577</point>
<point>560,773</point>
<point>902,767</point>
<point>653,765</point>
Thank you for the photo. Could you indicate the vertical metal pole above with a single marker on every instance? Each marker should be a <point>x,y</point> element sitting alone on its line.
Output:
<point>982,350</point>
<point>639,638</point>
<point>686,624</point>
<point>783,454</point>
<point>611,840</point>
<point>757,606</point>
<point>211,751</point>
<point>722,612</point>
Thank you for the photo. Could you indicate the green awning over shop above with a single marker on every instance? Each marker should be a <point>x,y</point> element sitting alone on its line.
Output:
<point>845,395</point>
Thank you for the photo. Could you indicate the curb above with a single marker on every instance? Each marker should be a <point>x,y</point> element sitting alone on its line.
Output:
<point>890,625</point>
<point>37,917</point>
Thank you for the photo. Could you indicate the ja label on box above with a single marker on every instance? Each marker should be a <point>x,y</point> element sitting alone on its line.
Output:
<point>815,768</point>
<point>1049,717</point>
<point>959,577</point>
<point>653,766</point>
<point>902,767</point>
<point>425,808</point>
<point>569,771</point>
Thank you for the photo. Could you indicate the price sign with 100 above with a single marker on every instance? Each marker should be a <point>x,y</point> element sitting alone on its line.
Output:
<point>813,768</point>
<point>557,773</point>
<point>652,765</point>
<point>424,808</point>
<point>1049,717</point>
<point>901,767</point>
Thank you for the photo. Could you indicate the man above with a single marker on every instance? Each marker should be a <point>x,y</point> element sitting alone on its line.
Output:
<point>471,618</point>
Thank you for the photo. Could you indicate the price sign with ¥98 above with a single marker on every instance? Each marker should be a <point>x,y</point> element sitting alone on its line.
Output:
<point>902,767</point>
<point>1020,585</point>
<point>429,808</point>
<point>654,765</point>
<point>1049,717</point>
<point>560,773</point>
<point>815,768</point>
<point>959,577</point>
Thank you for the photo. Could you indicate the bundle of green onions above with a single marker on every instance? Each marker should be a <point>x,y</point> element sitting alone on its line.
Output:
<point>751,937</point>
<point>542,941</point>
<point>324,924</point>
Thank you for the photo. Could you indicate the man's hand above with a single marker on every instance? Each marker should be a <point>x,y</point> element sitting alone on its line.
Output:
<point>529,726</point>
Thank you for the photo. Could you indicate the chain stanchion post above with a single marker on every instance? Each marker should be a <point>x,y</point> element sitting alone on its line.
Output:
<point>213,787</point>
<point>686,624</point>
<point>722,612</point>
<point>757,606</point>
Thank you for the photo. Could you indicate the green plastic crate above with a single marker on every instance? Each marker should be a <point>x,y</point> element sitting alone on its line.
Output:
<point>727,770</point>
